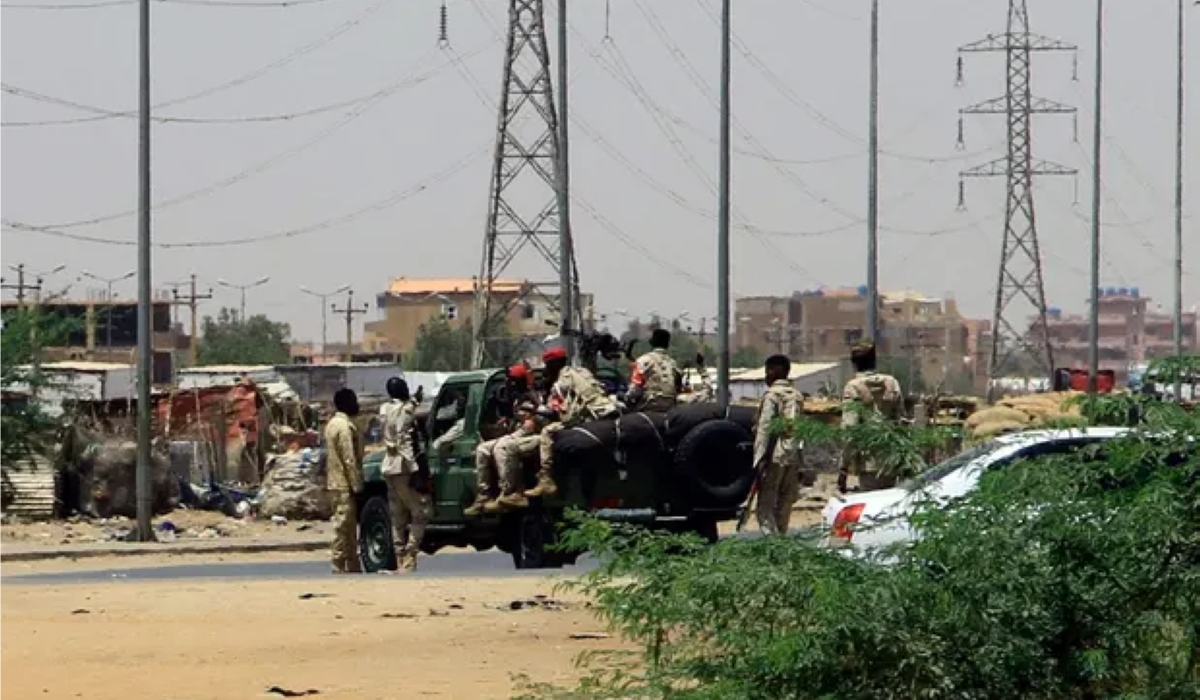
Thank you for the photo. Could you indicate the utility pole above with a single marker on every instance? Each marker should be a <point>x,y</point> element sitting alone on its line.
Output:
<point>109,282</point>
<point>242,289</point>
<point>568,276</point>
<point>1097,134</point>
<point>145,334</point>
<point>1020,273</point>
<point>529,142</point>
<point>324,311</point>
<point>1178,315</point>
<point>873,184</point>
<point>350,312</point>
<point>193,302</point>
<point>723,329</point>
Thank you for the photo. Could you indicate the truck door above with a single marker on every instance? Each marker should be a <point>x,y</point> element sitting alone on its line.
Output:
<point>453,467</point>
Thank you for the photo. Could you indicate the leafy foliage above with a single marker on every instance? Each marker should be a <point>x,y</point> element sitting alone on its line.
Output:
<point>1076,578</point>
<point>895,449</point>
<point>746,357</point>
<point>26,427</point>
<point>256,340</point>
<point>442,347</point>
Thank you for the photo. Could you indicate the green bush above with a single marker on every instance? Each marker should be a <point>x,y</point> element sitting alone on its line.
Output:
<point>1076,578</point>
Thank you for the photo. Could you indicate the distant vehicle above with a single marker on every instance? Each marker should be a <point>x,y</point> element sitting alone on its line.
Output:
<point>686,470</point>
<point>872,521</point>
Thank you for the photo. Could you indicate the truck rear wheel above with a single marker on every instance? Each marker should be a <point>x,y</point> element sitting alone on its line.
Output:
<point>533,534</point>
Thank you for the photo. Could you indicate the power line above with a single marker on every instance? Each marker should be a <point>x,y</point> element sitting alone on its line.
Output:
<point>199,3</point>
<point>278,63</point>
<point>275,159</point>
<point>379,205</point>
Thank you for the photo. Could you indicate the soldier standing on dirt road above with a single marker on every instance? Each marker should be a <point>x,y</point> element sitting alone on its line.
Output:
<point>778,460</point>
<point>655,380</point>
<point>344,479</point>
<point>576,396</point>
<point>409,508</point>
<point>492,457</point>
<point>869,395</point>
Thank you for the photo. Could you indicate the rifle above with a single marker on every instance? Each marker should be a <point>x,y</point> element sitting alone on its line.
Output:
<point>759,470</point>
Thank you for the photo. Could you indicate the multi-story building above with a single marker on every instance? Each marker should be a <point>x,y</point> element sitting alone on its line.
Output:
<point>105,330</point>
<point>930,335</point>
<point>1129,332</point>
<point>408,303</point>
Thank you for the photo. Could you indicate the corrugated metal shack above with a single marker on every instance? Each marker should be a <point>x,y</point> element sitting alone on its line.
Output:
<point>317,383</point>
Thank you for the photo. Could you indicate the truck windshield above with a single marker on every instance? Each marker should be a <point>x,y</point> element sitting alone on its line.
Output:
<point>940,470</point>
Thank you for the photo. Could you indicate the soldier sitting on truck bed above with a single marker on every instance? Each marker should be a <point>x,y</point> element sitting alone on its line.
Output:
<point>654,385</point>
<point>519,391</point>
<point>575,396</point>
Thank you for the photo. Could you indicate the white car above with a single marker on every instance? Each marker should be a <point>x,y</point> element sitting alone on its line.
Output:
<point>871,521</point>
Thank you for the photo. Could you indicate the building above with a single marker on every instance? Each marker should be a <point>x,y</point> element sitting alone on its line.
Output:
<point>100,330</point>
<point>408,303</point>
<point>1130,333</point>
<point>927,335</point>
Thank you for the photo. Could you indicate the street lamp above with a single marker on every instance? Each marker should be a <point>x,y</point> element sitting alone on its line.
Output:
<point>242,288</point>
<point>324,310</point>
<point>108,297</point>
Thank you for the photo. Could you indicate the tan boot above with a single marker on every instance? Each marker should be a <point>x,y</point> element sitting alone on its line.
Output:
<point>545,487</point>
<point>478,507</point>
<point>408,562</point>
<point>512,501</point>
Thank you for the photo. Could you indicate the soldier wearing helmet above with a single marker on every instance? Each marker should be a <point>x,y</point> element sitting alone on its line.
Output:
<point>409,507</point>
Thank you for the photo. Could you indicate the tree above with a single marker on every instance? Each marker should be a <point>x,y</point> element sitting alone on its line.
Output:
<point>26,427</point>
<point>440,347</point>
<point>1066,578</point>
<point>746,357</point>
<point>257,340</point>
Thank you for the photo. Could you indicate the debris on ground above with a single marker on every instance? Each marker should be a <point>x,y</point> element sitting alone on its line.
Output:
<point>539,601</point>
<point>276,690</point>
<point>588,635</point>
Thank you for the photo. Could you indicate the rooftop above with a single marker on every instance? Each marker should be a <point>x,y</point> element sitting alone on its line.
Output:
<point>83,366</point>
<point>448,285</point>
<point>799,370</point>
<point>227,369</point>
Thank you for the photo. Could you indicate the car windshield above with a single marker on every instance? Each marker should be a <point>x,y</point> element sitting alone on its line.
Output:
<point>939,471</point>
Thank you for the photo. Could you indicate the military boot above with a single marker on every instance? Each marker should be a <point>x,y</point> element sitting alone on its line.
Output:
<point>545,486</point>
<point>511,501</point>
<point>478,507</point>
<point>408,563</point>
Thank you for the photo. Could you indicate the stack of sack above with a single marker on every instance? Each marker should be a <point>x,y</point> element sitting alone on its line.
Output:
<point>1024,413</point>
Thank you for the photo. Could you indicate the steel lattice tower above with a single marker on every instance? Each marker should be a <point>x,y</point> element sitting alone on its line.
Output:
<point>1020,257</point>
<point>524,216</point>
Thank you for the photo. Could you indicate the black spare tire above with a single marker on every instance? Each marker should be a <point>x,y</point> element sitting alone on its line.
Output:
<point>715,460</point>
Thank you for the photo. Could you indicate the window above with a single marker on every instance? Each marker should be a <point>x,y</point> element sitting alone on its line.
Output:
<point>852,335</point>
<point>449,311</point>
<point>528,312</point>
<point>959,460</point>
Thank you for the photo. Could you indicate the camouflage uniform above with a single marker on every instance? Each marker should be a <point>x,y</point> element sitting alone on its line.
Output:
<point>653,379</point>
<point>577,397</point>
<point>878,397</point>
<point>410,510</point>
<point>494,459</point>
<point>780,480</point>
<point>344,479</point>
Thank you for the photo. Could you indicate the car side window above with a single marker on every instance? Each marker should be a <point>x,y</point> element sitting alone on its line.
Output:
<point>450,407</point>
<point>1056,448</point>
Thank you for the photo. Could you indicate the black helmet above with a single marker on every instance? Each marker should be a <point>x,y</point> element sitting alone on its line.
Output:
<point>397,388</point>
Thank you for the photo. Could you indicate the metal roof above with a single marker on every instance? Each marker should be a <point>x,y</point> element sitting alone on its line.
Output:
<point>227,369</point>
<point>84,366</point>
<point>462,285</point>
<point>799,371</point>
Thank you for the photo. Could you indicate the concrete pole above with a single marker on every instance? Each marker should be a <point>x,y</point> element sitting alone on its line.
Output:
<point>145,531</point>
<point>723,330</point>
<point>1094,334</point>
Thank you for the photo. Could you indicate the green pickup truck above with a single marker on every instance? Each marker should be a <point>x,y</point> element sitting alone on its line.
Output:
<point>686,470</point>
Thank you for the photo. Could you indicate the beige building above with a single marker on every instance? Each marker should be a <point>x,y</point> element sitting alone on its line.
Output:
<point>928,334</point>
<point>409,303</point>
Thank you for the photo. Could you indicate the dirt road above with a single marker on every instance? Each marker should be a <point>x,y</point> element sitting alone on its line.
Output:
<point>361,638</point>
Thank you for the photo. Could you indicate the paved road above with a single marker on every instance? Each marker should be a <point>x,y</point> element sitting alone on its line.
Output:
<point>457,565</point>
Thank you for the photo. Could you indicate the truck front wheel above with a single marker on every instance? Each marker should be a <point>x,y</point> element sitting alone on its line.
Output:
<point>375,536</point>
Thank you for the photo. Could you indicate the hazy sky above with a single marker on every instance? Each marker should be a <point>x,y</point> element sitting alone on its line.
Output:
<point>397,185</point>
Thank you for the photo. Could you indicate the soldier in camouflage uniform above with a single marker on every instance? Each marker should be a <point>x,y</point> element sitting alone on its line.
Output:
<point>869,395</point>
<point>410,508</point>
<point>576,397</point>
<point>655,381</point>
<point>778,460</point>
<point>519,385</point>
<point>344,480</point>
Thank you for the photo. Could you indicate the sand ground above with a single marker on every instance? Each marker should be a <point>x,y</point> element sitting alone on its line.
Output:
<point>366,638</point>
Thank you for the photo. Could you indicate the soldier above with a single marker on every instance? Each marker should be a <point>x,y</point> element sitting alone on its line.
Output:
<point>519,382</point>
<point>654,385</point>
<point>344,480</point>
<point>510,451</point>
<point>777,457</point>
<point>874,396</point>
<point>410,509</point>
<point>575,397</point>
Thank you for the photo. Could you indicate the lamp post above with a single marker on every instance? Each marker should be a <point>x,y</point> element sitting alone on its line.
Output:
<point>324,311</point>
<point>108,297</point>
<point>242,288</point>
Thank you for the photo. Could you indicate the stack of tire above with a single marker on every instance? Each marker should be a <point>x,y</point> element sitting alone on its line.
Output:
<point>1024,413</point>
<point>705,453</point>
